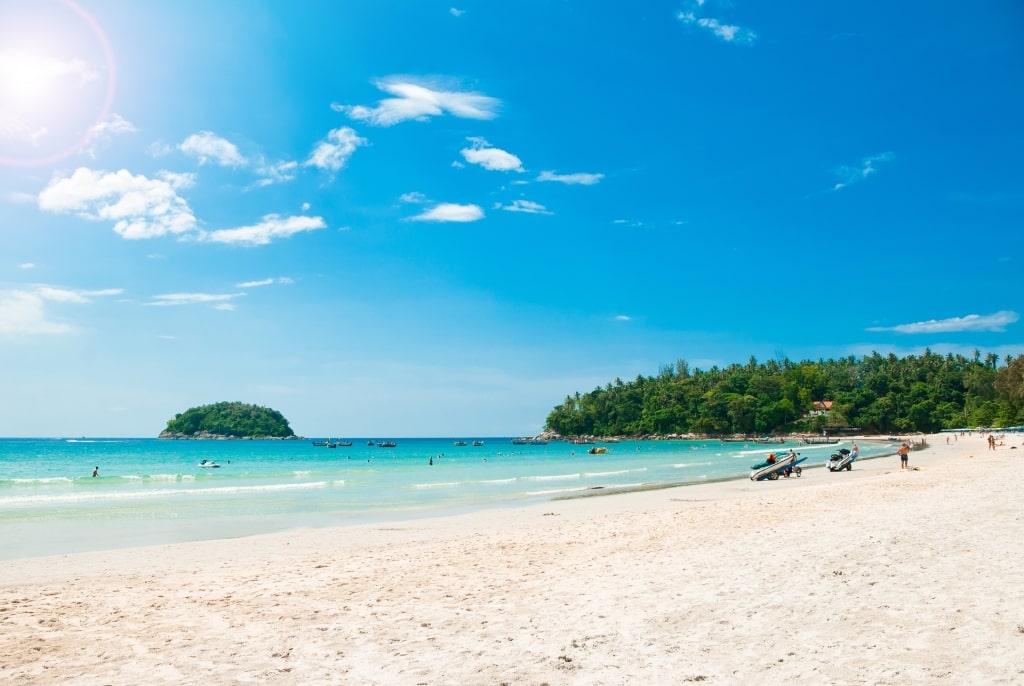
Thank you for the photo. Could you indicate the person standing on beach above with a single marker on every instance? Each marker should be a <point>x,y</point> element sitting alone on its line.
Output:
<point>904,453</point>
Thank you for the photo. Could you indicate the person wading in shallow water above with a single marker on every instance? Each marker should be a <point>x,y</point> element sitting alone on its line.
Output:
<point>96,472</point>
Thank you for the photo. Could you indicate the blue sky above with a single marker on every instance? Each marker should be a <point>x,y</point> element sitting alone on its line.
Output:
<point>391,218</point>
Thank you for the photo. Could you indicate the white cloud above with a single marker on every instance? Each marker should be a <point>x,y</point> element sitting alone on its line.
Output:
<point>415,198</point>
<point>264,282</point>
<point>867,167</point>
<point>527,206</point>
<point>455,12</point>
<point>254,284</point>
<point>23,312</point>
<point>74,296</point>
<point>991,322</point>
<point>332,154</point>
<point>494,159</point>
<point>727,32</point>
<point>208,146</point>
<point>26,265</point>
<point>623,318</point>
<point>140,207</point>
<point>267,230</point>
<point>279,172</point>
<point>175,299</point>
<point>580,178</point>
<point>450,212</point>
<point>102,131</point>
<point>418,102</point>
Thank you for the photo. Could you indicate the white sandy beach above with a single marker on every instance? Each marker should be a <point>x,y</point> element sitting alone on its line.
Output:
<point>875,576</point>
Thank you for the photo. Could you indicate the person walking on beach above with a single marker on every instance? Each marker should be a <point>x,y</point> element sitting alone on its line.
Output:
<point>904,453</point>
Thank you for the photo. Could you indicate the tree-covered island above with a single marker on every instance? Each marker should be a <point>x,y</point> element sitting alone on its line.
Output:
<point>228,420</point>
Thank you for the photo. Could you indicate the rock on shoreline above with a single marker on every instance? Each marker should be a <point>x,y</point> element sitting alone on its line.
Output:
<point>207,436</point>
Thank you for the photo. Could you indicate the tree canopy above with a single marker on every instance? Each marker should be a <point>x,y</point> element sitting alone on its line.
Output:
<point>235,419</point>
<point>875,394</point>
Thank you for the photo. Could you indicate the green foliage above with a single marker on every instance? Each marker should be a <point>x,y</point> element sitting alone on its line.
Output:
<point>875,394</point>
<point>232,419</point>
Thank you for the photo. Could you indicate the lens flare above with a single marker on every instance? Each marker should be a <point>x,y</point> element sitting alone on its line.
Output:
<point>57,82</point>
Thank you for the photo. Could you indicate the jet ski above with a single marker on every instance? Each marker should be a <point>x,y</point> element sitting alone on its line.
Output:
<point>783,465</point>
<point>843,459</point>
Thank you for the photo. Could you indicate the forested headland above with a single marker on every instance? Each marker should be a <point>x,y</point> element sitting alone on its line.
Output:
<point>873,394</point>
<point>228,420</point>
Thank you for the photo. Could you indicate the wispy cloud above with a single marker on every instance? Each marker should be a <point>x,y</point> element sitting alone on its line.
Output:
<point>527,206</point>
<point>973,322</point>
<point>24,312</point>
<point>867,167</point>
<point>414,197</point>
<point>332,154</point>
<point>209,147</point>
<point>140,207</point>
<point>265,231</point>
<point>102,131</point>
<point>264,282</point>
<point>450,212</point>
<point>730,33</point>
<point>74,295</point>
<point>415,101</point>
<point>579,178</point>
<point>623,318</point>
<point>455,12</point>
<point>178,299</point>
<point>275,172</point>
<point>480,152</point>
<point>27,265</point>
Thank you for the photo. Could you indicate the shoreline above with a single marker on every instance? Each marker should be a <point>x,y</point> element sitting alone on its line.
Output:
<point>868,576</point>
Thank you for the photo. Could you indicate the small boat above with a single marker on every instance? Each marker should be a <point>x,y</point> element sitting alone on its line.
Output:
<point>769,439</point>
<point>320,444</point>
<point>520,441</point>
<point>538,441</point>
<point>597,451</point>
<point>459,443</point>
<point>369,443</point>
<point>344,444</point>
<point>386,444</point>
<point>477,444</point>
<point>818,440</point>
<point>207,464</point>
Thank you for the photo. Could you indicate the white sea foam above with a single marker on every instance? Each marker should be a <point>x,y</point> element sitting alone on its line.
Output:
<point>142,494</point>
<point>551,477</point>
<point>620,471</point>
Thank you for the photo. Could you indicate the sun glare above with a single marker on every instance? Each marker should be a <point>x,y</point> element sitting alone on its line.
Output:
<point>56,80</point>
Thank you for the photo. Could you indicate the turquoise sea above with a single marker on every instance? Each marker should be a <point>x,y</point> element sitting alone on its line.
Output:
<point>151,491</point>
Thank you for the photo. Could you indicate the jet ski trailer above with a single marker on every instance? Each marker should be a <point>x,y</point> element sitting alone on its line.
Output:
<point>785,465</point>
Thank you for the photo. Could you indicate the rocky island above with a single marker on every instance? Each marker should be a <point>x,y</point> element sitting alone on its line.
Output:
<point>228,421</point>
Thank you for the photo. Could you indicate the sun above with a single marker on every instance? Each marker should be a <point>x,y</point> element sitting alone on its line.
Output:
<point>56,80</point>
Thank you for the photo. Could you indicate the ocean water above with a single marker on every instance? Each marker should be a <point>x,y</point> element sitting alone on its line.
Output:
<point>151,491</point>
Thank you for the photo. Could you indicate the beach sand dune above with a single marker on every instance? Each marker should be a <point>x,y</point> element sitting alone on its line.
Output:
<point>875,576</point>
